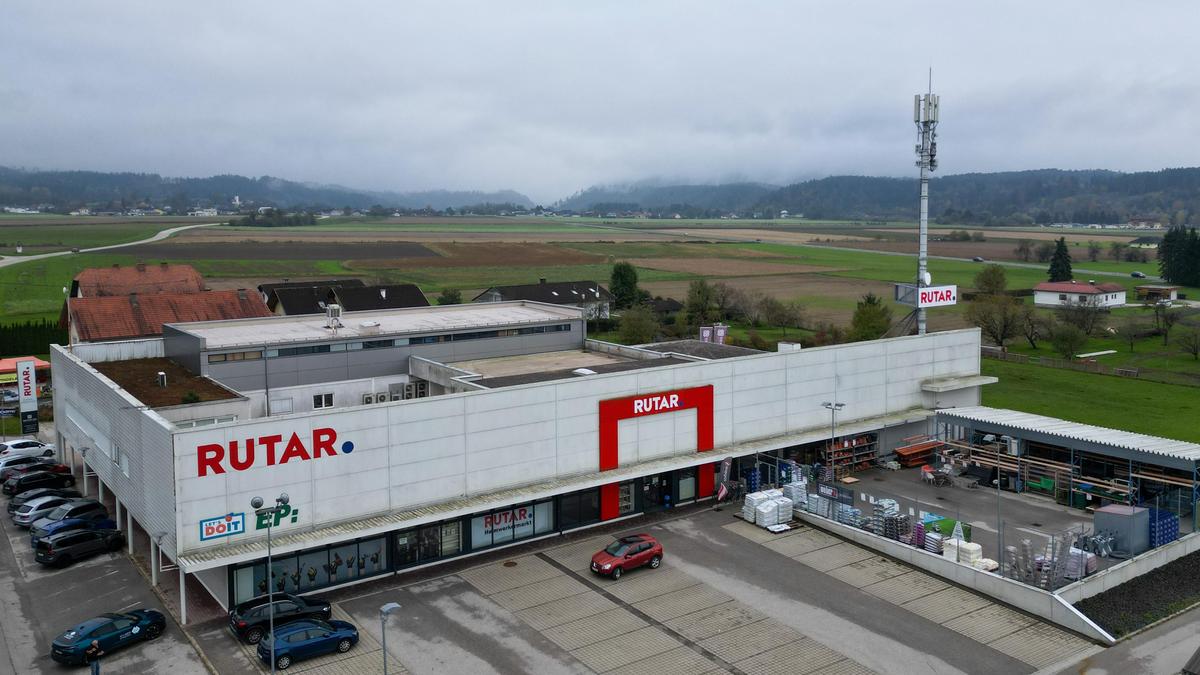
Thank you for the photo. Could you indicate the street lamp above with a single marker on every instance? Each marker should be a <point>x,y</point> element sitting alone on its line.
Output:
<point>833,409</point>
<point>257,504</point>
<point>383,612</point>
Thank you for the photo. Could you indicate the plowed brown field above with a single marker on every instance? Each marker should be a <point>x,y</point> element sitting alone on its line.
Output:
<point>496,254</point>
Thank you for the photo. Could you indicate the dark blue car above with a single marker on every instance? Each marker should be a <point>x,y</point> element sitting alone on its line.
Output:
<point>111,631</point>
<point>48,529</point>
<point>305,639</point>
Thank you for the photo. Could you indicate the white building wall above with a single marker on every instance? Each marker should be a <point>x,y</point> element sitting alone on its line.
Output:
<point>1049,299</point>
<point>410,453</point>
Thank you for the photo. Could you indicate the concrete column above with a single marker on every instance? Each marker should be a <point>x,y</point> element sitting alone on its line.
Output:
<point>71,460</point>
<point>83,475</point>
<point>60,446</point>
<point>128,530</point>
<point>153,563</point>
<point>182,597</point>
<point>99,489</point>
<point>118,518</point>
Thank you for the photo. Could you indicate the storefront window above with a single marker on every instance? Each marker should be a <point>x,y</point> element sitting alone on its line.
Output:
<point>515,524</point>
<point>579,508</point>
<point>406,548</point>
<point>245,582</point>
<point>543,517</point>
<point>343,564</point>
<point>372,556</point>
<point>625,503</point>
<point>429,543</point>
<point>314,570</point>
<point>451,538</point>
<point>687,485</point>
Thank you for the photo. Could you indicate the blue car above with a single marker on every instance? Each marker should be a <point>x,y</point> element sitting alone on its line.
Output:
<point>44,529</point>
<point>111,631</point>
<point>305,639</point>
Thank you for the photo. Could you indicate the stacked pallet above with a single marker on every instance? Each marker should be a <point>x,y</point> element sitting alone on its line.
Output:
<point>918,535</point>
<point>1079,563</point>
<point>965,552</point>
<point>753,501</point>
<point>849,515</point>
<point>933,542</point>
<point>1164,527</point>
<point>797,491</point>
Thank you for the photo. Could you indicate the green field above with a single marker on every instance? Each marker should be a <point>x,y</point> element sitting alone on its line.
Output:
<point>57,235</point>
<point>1166,410</point>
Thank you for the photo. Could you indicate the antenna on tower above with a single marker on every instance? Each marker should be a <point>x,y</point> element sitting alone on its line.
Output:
<point>925,115</point>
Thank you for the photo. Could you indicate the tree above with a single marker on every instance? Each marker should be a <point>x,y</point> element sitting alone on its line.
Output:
<point>1067,340</point>
<point>997,316</point>
<point>1094,250</point>
<point>639,325</point>
<point>623,283</point>
<point>1045,251</point>
<point>991,280</point>
<point>1060,263</point>
<point>699,306</point>
<point>1116,250</point>
<point>1084,315</point>
<point>871,319</point>
<point>1189,342</point>
<point>1024,250</point>
<point>783,314</point>
<point>450,296</point>
<point>1129,330</point>
<point>1169,319</point>
<point>1033,327</point>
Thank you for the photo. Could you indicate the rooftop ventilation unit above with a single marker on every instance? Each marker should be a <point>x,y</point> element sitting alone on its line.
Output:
<point>369,327</point>
<point>162,379</point>
<point>584,371</point>
<point>333,316</point>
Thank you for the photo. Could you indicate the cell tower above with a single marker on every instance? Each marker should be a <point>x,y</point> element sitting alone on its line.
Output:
<point>925,114</point>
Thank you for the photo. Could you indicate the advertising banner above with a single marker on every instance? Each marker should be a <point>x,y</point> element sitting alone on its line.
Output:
<point>27,389</point>
<point>937,296</point>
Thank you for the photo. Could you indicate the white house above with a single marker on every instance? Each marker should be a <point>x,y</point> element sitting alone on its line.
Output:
<point>1066,293</point>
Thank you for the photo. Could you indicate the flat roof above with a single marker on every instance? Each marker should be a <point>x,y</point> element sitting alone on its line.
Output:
<point>701,349</point>
<point>139,377</point>
<point>567,373</point>
<point>503,366</point>
<point>1116,438</point>
<point>391,322</point>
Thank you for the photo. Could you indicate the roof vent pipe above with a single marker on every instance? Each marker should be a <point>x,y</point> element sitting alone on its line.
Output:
<point>162,379</point>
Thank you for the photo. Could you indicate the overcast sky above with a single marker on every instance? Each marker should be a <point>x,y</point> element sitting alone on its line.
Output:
<point>549,98</point>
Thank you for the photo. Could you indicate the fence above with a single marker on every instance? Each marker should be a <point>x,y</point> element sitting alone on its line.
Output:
<point>1164,376</point>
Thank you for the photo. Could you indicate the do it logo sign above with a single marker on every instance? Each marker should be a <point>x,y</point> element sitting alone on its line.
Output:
<point>222,526</point>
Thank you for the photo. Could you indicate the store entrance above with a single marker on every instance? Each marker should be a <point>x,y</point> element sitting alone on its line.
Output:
<point>656,493</point>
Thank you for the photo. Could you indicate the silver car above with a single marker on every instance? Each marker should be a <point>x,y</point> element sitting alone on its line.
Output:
<point>37,508</point>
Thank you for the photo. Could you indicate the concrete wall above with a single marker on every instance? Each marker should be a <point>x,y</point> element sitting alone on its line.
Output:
<point>1027,598</point>
<point>92,411</point>
<point>238,407</point>
<point>216,580</point>
<point>1134,567</point>
<point>1048,299</point>
<point>123,350</point>
<point>410,453</point>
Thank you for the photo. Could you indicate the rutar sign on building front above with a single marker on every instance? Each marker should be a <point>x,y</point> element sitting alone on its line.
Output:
<point>27,389</point>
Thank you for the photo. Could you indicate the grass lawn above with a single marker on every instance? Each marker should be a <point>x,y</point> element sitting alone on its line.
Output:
<point>34,290</point>
<point>57,236</point>
<point>1166,410</point>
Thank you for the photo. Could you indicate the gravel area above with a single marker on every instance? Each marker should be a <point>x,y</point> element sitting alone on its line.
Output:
<point>1146,599</point>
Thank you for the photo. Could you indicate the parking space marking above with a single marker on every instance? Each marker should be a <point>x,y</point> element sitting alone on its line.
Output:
<point>825,559</point>
<point>578,556</point>
<point>845,667</point>
<point>714,620</point>
<point>990,623</point>
<point>678,661</point>
<point>869,571</point>
<point>594,628</point>
<point>802,542</point>
<point>497,577</point>
<point>646,583</point>
<point>1041,645</point>
<point>948,603</point>
<point>798,656</point>
<point>539,593</point>
<point>750,531</point>
<point>746,641</point>
<point>906,587</point>
<point>364,658</point>
<point>566,610</point>
<point>624,649</point>
<point>692,599</point>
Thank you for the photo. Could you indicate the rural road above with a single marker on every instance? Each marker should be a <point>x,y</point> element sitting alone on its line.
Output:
<point>5,261</point>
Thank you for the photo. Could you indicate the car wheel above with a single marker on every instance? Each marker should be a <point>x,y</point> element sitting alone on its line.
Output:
<point>283,662</point>
<point>344,646</point>
<point>655,562</point>
<point>254,635</point>
<point>153,631</point>
<point>70,482</point>
<point>48,453</point>
<point>616,573</point>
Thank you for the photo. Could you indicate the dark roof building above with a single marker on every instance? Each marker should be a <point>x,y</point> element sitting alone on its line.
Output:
<point>268,290</point>
<point>590,296</point>
<point>141,278</point>
<point>314,299</point>
<point>666,305</point>
<point>139,316</point>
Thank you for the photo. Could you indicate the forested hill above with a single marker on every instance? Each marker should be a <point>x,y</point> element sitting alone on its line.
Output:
<point>1044,195</point>
<point>73,189</point>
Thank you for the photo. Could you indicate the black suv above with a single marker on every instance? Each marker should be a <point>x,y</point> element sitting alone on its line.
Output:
<point>67,547</point>
<point>37,479</point>
<point>16,502</point>
<point>249,620</point>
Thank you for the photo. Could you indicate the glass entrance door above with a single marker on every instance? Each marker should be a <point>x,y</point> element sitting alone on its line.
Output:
<point>656,492</point>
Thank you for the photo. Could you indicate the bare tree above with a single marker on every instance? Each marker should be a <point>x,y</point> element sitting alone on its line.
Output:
<point>1094,250</point>
<point>1084,315</point>
<point>1024,250</point>
<point>1169,319</point>
<point>998,317</point>
<point>1033,326</point>
<point>1045,251</point>
<point>1129,330</point>
<point>1189,342</point>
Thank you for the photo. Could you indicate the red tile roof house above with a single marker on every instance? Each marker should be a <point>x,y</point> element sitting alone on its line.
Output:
<point>141,278</point>
<point>1065,293</point>
<point>127,317</point>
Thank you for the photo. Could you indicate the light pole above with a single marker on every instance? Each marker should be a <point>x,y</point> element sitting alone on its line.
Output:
<point>257,504</point>
<point>383,613</point>
<point>833,409</point>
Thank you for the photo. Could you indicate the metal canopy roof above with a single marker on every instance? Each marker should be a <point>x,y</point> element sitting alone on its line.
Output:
<point>1115,438</point>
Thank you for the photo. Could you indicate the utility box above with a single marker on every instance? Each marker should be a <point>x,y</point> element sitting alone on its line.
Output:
<point>1130,526</point>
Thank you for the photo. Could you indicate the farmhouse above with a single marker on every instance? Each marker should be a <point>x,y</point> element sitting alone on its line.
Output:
<point>589,296</point>
<point>141,278</point>
<point>1067,293</point>
<point>407,437</point>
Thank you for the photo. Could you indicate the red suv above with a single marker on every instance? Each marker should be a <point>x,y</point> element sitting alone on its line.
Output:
<point>628,553</point>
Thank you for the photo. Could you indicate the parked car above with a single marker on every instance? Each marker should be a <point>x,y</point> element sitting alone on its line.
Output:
<point>37,479</point>
<point>9,396</point>
<point>305,639</point>
<point>67,547</point>
<point>627,553</point>
<point>40,464</point>
<point>249,620</point>
<point>26,446</point>
<point>25,497</point>
<point>74,511</point>
<point>36,509</point>
<point>979,258</point>
<point>7,463</point>
<point>112,631</point>
<point>1137,275</point>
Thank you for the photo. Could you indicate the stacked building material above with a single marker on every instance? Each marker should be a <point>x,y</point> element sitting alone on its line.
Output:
<point>796,491</point>
<point>1164,527</point>
<point>881,510</point>
<point>783,508</point>
<point>849,515</point>
<point>896,526</point>
<point>933,542</point>
<point>767,514</point>
<point>965,552</point>
<point>1079,563</point>
<point>918,535</point>
<point>753,501</point>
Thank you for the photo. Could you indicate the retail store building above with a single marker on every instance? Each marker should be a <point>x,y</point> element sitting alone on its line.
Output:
<point>410,436</point>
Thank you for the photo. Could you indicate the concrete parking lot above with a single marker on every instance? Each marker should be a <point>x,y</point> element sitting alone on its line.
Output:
<point>38,603</point>
<point>729,598</point>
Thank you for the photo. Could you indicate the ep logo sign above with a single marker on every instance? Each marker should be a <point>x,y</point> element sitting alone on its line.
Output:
<point>222,526</point>
<point>283,513</point>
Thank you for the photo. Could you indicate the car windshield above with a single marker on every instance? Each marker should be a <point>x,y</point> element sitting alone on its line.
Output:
<point>617,548</point>
<point>24,508</point>
<point>59,513</point>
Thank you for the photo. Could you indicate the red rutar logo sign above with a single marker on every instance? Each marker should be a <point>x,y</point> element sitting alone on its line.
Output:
<point>267,451</point>
<point>614,410</point>
<point>937,296</point>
